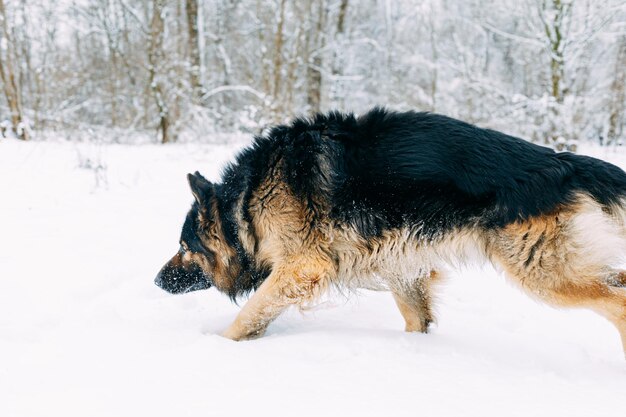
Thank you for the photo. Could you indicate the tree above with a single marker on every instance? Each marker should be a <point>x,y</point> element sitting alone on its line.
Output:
<point>155,55</point>
<point>194,46</point>
<point>9,77</point>
<point>556,17</point>
<point>316,37</point>
<point>279,40</point>
<point>118,68</point>
<point>618,95</point>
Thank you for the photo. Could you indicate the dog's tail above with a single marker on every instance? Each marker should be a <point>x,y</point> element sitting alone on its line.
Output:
<point>603,216</point>
<point>604,182</point>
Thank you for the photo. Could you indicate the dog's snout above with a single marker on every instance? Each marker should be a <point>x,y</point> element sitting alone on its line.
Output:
<point>176,278</point>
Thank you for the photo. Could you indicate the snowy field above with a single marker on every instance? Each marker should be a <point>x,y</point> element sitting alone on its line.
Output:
<point>85,332</point>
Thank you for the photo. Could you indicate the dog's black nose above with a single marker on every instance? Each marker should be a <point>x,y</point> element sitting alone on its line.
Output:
<point>177,279</point>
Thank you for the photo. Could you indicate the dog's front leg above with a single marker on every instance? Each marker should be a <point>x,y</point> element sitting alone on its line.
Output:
<point>292,284</point>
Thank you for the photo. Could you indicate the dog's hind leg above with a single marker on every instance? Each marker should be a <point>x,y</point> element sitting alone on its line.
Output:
<point>295,282</point>
<point>590,291</point>
<point>613,307</point>
<point>599,297</point>
<point>607,298</point>
<point>414,300</point>
<point>562,258</point>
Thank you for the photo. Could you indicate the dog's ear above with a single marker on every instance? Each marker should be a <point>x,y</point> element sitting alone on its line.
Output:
<point>201,188</point>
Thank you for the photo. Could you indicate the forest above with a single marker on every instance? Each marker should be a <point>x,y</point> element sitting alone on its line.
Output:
<point>551,71</point>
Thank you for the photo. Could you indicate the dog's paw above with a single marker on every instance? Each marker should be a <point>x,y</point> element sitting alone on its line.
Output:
<point>238,334</point>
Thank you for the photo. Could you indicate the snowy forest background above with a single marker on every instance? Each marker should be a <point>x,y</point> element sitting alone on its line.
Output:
<point>92,204</point>
<point>552,71</point>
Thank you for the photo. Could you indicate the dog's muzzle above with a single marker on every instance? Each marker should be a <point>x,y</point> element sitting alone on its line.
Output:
<point>178,279</point>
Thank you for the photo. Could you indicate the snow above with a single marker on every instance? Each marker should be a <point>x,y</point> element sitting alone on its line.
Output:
<point>85,332</point>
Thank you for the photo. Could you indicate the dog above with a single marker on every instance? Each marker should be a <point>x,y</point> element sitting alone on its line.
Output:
<point>385,201</point>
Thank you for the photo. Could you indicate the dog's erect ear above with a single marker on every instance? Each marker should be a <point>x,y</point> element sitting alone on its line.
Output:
<point>201,188</point>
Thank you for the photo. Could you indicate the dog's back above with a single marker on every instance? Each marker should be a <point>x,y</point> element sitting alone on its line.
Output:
<point>431,169</point>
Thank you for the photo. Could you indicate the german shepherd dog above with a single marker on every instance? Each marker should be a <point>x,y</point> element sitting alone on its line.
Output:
<point>385,201</point>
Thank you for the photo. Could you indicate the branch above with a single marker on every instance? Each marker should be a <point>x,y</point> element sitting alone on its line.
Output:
<point>135,16</point>
<point>512,36</point>
<point>243,88</point>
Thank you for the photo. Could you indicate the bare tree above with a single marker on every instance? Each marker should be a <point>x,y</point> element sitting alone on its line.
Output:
<point>155,55</point>
<point>194,45</point>
<point>533,68</point>
<point>317,13</point>
<point>556,16</point>
<point>618,96</point>
<point>9,77</point>
<point>335,92</point>
<point>279,41</point>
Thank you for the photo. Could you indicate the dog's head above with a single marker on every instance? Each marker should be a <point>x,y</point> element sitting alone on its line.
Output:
<point>204,259</point>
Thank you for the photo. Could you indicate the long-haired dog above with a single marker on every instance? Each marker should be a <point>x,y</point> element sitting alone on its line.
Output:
<point>384,200</point>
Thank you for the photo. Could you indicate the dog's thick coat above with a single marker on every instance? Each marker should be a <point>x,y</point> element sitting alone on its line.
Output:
<point>384,200</point>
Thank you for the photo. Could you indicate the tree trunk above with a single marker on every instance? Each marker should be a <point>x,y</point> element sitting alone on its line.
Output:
<point>618,99</point>
<point>155,54</point>
<point>278,59</point>
<point>314,67</point>
<point>434,54</point>
<point>341,19</point>
<point>111,33</point>
<point>194,46</point>
<point>336,93</point>
<point>8,76</point>
<point>265,65</point>
<point>554,15</point>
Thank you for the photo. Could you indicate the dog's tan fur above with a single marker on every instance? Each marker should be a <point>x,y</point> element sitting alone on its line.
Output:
<point>553,257</point>
<point>299,257</point>
<point>573,253</point>
<point>414,300</point>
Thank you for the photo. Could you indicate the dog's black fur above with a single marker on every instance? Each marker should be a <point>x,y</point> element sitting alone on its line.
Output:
<point>392,169</point>
<point>386,170</point>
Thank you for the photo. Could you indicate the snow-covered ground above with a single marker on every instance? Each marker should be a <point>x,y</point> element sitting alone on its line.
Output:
<point>85,332</point>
